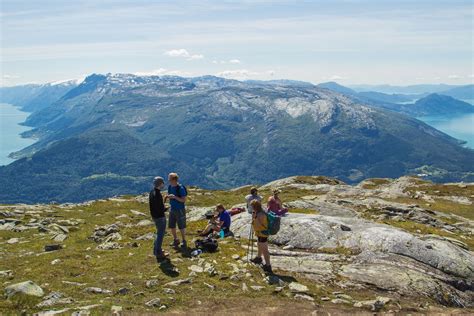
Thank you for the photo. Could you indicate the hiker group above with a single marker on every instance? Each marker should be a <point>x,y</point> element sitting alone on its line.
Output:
<point>263,222</point>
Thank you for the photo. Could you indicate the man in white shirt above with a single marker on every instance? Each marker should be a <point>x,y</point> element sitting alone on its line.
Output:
<point>252,196</point>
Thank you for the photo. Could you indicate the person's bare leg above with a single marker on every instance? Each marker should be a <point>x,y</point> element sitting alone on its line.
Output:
<point>259,249</point>
<point>266,253</point>
<point>173,232</point>
<point>207,230</point>
<point>183,233</point>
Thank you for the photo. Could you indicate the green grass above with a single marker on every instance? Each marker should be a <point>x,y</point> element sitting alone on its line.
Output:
<point>131,266</point>
<point>448,207</point>
<point>303,211</point>
<point>376,182</point>
<point>127,267</point>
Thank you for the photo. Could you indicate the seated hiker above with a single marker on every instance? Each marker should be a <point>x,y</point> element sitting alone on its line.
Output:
<point>274,204</point>
<point>220,221</point>
<point>252,196</point>
<point>260,225</point>
<point>157,212</point>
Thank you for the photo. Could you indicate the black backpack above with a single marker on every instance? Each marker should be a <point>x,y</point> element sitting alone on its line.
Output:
<point>178,193</point>
<point>207,244</point>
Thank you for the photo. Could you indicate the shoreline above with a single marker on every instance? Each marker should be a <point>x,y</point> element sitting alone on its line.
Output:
<point>11,156</point>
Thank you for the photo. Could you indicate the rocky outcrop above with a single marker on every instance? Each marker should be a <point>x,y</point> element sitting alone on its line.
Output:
<point>380,255</point>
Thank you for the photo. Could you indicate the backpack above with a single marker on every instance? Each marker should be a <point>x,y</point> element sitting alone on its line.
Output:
<point>178,193</point>
<point>207,244</point>
<point>273,224</point>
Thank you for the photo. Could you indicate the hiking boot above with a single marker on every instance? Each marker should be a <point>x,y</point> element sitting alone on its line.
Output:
<point>184,244</point>
<point>175,243</point>
<point>267,268</point>
<point>161,257</point>
<point>257,260</point>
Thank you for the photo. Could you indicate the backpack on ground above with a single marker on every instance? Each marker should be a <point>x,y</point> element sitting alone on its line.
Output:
<point>207,244</point>
<point>273,224</point>
<point>178,190</point>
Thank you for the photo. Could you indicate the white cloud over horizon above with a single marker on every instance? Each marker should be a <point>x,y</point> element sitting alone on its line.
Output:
<point>181,52</point>
<point>357,42</point>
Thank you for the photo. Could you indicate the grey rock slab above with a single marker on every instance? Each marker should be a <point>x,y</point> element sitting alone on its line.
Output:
<point>169,291</point>
<point>303,297</point>
<point>97,290</point>
<point>109,246</point>
<point>323,207</point>
<point>26,288</point>
<point>314,232</point>
<point>152,283</point>
<point>406,282</point>
<point>144,222</point>
<point>179,282</point>
<point>312,268</point>
<point>296,287</point>
<point>6,274</point>
<point>55,298</point>
<point>156,302</point>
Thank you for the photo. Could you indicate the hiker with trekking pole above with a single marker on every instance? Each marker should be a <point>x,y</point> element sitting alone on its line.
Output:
<point>260,225</point>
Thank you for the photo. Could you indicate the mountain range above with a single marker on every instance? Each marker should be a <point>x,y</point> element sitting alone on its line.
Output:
<point>111,134</point>
<point>416,105</point>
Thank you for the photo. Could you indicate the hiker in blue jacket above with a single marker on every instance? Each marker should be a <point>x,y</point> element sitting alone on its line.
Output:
<point>220,221</point>
<point>177,195</point>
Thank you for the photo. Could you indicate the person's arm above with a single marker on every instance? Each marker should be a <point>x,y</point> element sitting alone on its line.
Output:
<point>151,203</point>
<point>162,203</point>
<point>269,202</point>
<point>181,199</point>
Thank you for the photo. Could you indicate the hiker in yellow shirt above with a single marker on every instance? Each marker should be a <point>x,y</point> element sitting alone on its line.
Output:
<point>260,225</point>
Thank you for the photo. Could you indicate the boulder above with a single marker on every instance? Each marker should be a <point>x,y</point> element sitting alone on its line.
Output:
<point>156,302</point>
<point>52,247</point>
<point>28,288</point>
<point>295,287</point>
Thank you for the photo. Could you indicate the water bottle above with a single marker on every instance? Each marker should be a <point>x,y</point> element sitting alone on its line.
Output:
<point>221,234</point>
<point>196,252</point>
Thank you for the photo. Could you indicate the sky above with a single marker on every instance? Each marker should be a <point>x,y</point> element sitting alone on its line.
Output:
<point>351,42</point>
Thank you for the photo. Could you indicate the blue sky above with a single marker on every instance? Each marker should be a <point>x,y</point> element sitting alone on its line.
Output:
<point>352,42</point>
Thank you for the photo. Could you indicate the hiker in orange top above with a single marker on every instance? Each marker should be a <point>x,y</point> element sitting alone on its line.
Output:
<point>259,225</point>
<point>274,204</point>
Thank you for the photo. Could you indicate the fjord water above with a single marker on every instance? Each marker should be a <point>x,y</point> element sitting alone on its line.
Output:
<point>459,126</point>
<point>10,130</point>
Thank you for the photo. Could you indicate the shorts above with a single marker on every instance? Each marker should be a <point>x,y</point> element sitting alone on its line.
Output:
<point>262,239</point>
<point>177,217</point>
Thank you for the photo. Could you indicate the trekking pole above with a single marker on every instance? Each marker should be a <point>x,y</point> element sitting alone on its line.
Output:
<point>249,241</point>
<point>251,244</point>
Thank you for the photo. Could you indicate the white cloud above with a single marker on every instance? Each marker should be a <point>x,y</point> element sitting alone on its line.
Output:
<point>237,74</point>
<point>6,77</point>
<point>163,72</point>
<point>183,53</point>
<point>337,77</point>
<point>471,76</point>
<point>230,61</point>
<point>454,77</point>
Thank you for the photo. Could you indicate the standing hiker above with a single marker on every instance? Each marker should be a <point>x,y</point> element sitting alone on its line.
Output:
<point>157,212</point>
<point>260,225</point>
<point>177,195</point>
<point>251,197</point>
